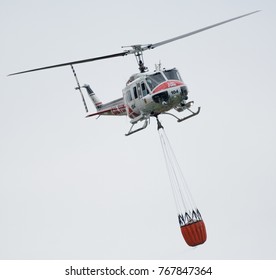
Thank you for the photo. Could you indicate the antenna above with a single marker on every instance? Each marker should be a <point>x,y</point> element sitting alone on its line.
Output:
<point>158,66</point>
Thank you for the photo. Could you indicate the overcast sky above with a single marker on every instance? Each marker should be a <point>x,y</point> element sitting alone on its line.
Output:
<point>76,188</point>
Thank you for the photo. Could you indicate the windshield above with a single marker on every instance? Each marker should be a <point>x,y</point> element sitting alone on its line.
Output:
<point>154,80</point>
<point>172,74</point>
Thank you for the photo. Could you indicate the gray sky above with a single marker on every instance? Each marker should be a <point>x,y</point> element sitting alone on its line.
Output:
<point>76,188</point>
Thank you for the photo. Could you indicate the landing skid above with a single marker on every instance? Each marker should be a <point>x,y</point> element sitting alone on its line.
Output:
<point>138,129</point>
<point>158,122</point>
<point>185,118</point>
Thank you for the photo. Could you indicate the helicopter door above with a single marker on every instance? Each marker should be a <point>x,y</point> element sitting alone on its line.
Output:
<point>135,92</point>
<point>138,102</point>
<point>139,90</point>
<point>144,89</point>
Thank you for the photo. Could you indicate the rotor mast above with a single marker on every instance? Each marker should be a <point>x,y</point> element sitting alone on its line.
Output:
<point>137,50</point>
<point>140,60</point>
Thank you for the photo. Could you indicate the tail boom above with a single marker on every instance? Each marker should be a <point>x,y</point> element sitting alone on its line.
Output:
<point>114,108</point>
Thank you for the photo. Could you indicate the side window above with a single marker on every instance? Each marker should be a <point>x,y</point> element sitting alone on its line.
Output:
<point>139,90</point>
<point>135,92</point>
<point>144,89</point>
<point>128,96</point>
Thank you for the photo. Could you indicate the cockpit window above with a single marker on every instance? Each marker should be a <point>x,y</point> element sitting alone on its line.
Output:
<point>154,80</point>
<point>172,74</point>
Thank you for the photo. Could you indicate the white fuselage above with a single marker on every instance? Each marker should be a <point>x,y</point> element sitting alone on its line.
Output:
<point>152,93</point>
<point>145,95</point>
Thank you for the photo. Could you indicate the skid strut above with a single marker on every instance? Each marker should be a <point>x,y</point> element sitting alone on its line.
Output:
<point>185,118</point>
<point>138,129</point>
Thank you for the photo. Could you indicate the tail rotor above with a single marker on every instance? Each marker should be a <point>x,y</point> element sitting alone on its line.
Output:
<point>79,88</point>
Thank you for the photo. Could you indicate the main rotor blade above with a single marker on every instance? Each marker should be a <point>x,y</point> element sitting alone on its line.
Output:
<point>73,62</point>
<point>152,46</point>
<point>136,48</point>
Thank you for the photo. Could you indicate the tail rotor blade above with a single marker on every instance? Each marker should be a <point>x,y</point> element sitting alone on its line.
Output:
<point>79,88</point>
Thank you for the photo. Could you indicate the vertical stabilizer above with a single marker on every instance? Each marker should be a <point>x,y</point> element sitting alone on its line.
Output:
<point>93,97</point>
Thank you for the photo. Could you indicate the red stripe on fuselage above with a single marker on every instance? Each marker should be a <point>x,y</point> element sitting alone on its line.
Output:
<point>168,84</point>
<point>131,113</point>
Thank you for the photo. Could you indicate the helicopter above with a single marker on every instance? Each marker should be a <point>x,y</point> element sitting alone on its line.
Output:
<point>147,93</point>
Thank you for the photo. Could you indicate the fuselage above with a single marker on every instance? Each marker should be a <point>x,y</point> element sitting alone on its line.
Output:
<point>152,93</point>
<point>145,95</point>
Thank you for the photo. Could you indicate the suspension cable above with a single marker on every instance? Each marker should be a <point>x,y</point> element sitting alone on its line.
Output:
<point>182,195</point>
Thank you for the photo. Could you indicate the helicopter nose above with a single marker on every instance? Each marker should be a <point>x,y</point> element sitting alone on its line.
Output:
<point>161,97</point>
<point>184,92</point>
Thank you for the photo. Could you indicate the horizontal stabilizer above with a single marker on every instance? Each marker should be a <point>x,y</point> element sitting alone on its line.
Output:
<point>100,113</point>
